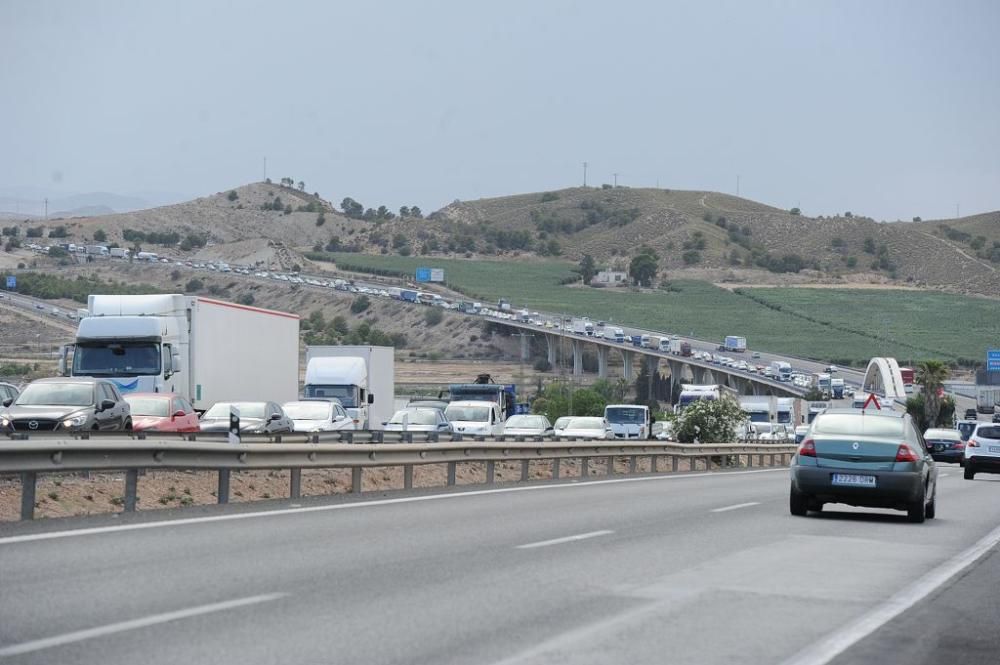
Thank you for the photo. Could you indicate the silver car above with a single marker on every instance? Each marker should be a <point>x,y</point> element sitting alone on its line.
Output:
<point>318,415</point>
<point>255,418</point>
<point>418,419</point>
<point>527,425</point>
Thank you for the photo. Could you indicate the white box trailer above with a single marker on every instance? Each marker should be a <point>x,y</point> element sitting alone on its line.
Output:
<point>363,378</point>
<point>206,350</point>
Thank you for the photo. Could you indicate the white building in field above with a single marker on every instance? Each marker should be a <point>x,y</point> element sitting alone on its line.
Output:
<point>611,278</point>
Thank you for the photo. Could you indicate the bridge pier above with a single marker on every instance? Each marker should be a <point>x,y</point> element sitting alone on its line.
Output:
<point>602,361</point>
<point>552,344</point>
<point>525,348</point>
<point>577,358</point>
<point>627,359</point>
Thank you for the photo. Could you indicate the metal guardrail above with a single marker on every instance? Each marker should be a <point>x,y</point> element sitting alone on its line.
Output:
<point>47,454</point>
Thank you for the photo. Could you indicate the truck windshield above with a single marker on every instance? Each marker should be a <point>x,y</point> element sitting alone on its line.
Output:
<point>623,416</point>
<point>117,359</point>
<point>346,394</point>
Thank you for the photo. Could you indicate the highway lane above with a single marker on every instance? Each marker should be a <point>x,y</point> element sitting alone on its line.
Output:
<point>685,569</point>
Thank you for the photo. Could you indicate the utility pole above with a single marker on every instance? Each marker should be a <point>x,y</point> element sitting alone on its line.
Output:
<point>616,178</point>
<point>585,174</point>
<point>46,207</point>
<point>737,185</point>
<point>265,168</point>
<point>520,354</point>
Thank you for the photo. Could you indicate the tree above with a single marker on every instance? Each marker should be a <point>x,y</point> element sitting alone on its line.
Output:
<point>360,304</point>
<point>416,212</point>
<point>352,208</point>
<point>302,186</point>
<point>869,245</point>
<point>433,316</point>
<point>58,232</point>
<point>194,285</point>
<point>100,235</point>
<point>587,268</point>
<point>232,196</point>
<point>288,209</point>
<point>917,219</point>
<point>404,211</point>
<point>642,268</point>
<point>795,212</point>
<point>931,375</point>
<point>709,421</point>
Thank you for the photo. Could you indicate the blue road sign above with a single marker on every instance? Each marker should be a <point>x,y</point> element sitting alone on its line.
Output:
<point>11,281</point>
<point>993,360</point>
<point>423,274</point>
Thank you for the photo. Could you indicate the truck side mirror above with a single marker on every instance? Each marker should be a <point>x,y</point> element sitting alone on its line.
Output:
<point>371,398</point>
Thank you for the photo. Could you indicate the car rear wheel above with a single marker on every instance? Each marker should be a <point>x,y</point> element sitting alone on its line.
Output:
<point>916,510</point>
<point>970,473</point>
<point>798,503</point>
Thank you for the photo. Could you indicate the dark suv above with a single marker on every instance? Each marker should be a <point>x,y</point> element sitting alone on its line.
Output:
<point>63,404</point>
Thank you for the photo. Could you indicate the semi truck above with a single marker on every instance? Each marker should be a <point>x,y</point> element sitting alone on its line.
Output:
<point>758,409</point>
<point>679,348</point>
<point>363,378</point>
<point>816,408</point>
<point>907,374</point>
<point>822,382</point>
<point>735,344</point>
<point>206,350</point>
<point>583,327</point>
<point>484,390</point>
<point>837,388</point>
<point>692,393</point>
<point>407,295</point>
<point>783,408</point>
<point>781,370</point>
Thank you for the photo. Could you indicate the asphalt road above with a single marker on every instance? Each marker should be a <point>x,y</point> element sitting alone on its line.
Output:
<point>682,569</point>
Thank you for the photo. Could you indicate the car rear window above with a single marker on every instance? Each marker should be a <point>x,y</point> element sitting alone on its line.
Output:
<point>861,425</point>
<point>989,432</point>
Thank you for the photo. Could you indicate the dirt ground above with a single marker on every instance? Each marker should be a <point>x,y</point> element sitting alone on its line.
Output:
<point>68,495</point>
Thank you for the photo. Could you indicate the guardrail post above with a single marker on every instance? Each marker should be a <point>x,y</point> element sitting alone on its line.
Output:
<point>131,486</point>
<point>584,467</point>
<point>611,465</point>
<point>407,476</point>
<point>356,479</point>
<point>674,462</point>
<point>28,495</point>
<point>490,471</point>
<point>222,496</point>
<point>295,491</point>
<point>631,464</point>
<point>652,464</point>
<point>451,473</point>
<point>524,471</point>
<point>555,467</point>
<point>770,460</point>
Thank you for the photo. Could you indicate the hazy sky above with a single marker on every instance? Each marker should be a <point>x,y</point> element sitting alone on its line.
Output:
<point>890,109</point>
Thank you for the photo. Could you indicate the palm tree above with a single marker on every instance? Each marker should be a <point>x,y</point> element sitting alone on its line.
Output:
<point>931,375</point>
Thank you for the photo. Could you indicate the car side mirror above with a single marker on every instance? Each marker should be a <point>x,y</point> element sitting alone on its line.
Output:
<point>443,425</point>
<point>179,413</point>
<point>8,401</point>
<point>107,404</point>
<point>371,398</point>
<point>275,416</point>
<point>338,418</point>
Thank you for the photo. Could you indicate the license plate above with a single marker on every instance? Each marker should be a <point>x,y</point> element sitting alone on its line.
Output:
<point>854,480</point>
<point>995,449</point>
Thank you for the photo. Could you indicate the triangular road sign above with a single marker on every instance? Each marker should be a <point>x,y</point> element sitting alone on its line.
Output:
<point>872,398</point>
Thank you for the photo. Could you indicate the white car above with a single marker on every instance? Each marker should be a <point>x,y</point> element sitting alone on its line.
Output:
<point>527,425</point>
<point>318,415</point>
<point>585,427</point>
<point>982,450</point>
<point>560,424</point>
<point>475,417</point>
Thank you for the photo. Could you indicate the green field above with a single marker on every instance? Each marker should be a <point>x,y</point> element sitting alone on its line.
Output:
<point>845,326</point>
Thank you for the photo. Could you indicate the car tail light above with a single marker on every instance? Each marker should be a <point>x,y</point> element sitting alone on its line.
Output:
<point>905,454</point>
<point>807,448</point>
<point>958,445</point>
<point>972,443</point>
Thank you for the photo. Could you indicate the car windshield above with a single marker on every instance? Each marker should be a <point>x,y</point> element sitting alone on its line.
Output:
<point>117,359</point>
<point>526,422</point>
<point>586,423</point>
<point>246,409</point>
<point>561,422</point>
<point>308,410</point>
<point>149,406</point>
<point>988,432</point>
<point>57,394</point>
<point>414,417</point>
<point>763,428</point>
<point>858,425</point>
<point>625,416</point>
<point>475,414</point>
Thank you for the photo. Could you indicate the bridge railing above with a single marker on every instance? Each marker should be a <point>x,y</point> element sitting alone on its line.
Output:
<point>29,457</point>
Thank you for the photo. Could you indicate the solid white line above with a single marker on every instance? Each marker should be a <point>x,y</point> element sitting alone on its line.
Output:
<point>736,507</point>
<point>134,624</point>
<point>564,539</point>
<point>50,535</point>
<point>838,642</point>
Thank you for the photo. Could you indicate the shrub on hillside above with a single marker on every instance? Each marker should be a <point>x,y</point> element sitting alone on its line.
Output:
<point>232,196</point>
<point>433,316</point>
<point>360,304</point>
<point>100,235</point>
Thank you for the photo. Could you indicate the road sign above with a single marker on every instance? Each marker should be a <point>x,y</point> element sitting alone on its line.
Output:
<point>423,275</point>
<point>437,274</point>
<point>234,425</point>
<point>872,398</point>
<point>992,359</point>
<point>12,284</point>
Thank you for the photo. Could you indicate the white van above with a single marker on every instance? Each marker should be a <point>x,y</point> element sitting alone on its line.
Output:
<point>475,417</point>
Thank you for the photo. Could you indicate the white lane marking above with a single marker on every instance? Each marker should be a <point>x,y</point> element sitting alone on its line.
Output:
<point>565,539</point>
<point>839,641</point>
<point>134,624</point>
<point>50,535</point>
<point>736,507</point>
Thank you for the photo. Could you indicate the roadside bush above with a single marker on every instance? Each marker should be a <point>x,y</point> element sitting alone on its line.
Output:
<point>707,421</point>
<point>691,257</point>
<point>194,285</point>
<point>542,365</point>
<point>360,304</point>
<point>100,235</point>
<point>35,232</point>
<point>433,316</point>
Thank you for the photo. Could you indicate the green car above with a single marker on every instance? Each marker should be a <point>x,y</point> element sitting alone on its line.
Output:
<point>876,459</point>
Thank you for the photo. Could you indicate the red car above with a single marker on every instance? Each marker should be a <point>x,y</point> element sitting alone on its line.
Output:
<point>162,412</point>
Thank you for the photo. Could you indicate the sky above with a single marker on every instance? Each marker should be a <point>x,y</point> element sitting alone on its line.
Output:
<point>889,109</point>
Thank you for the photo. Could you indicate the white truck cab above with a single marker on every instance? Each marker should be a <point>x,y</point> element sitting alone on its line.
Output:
<point>628,421</point>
